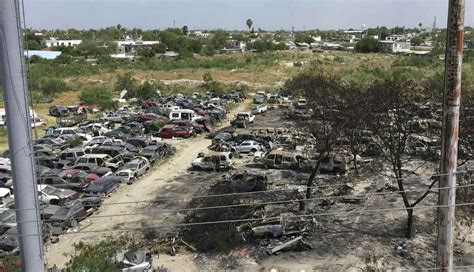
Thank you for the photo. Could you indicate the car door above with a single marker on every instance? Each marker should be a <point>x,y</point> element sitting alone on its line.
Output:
<point>245,147</point>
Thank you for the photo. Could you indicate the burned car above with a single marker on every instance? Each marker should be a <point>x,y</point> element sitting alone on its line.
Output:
<point>69,215</point>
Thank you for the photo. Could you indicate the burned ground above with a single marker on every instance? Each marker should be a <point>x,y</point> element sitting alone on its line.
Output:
<point>353,221</point>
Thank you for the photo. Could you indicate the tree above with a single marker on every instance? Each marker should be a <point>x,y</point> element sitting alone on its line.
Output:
<point>100,96</point>
<point>367,45</point>
<point>416,41</point>
<point>303,38</point>
<point>393,110</point>
<point>420,25</point>
<point>249,24</point>
<point>119,26</point>
<point>52,86</point>
<point>185,30</point>
<point>146,91</point>
<point>128,83</point>
<point>323,92</point>
<point>99,257</point>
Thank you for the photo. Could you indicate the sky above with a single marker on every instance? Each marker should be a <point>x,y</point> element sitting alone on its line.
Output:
<point>232,14</point>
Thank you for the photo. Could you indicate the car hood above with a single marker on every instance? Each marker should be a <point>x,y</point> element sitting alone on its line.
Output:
<point>64,193</point>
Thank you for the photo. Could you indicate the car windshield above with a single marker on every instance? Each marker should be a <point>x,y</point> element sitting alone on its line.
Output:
<point>147,152</point>
<point>137,257</point>
<point>62,211</point>
<point>96,186</point>
<point>131,165</point>
<point>50,190</point>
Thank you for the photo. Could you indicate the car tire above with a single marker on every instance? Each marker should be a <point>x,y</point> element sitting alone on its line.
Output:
<point>253,150</point>
<point>73,223</point>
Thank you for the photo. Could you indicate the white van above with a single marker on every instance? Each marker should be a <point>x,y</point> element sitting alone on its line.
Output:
<point>184,114</point>
<point>3,116</point>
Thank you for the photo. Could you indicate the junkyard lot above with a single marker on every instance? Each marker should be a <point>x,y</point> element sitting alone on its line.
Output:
<point>154,185</point>
<point>342,242</point>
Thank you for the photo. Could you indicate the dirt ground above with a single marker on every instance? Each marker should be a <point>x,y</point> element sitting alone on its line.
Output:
<point>160,182</point>
<point>362,241</point>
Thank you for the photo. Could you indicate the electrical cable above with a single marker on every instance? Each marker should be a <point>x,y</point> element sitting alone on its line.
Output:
<point>242,220</point>
<point>230,206</point>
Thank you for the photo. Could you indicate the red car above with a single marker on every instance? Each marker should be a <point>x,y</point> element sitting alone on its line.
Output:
<point>200,111</point>
<point>170,131</point>
<point>186,123</point>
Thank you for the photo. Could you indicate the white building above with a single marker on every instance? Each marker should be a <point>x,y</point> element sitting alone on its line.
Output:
<point>129,46</point>
<point>395,38</point>
<point>348,38</point>
<point>316,38</point>
<point>53,42</point>
<point>201,34</point>
<point>395,46</point>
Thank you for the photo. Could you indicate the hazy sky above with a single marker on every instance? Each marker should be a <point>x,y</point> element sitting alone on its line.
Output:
<point>232,14</point>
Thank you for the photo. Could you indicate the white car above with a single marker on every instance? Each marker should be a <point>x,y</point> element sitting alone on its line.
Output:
<point>250,116</point>
<point>248,146</point>
<point>127,175</point>
<point>52,195</point>
<point>213,161</point>
<point>137,261</point>
<point>257,109</point>
<point>73,131</point>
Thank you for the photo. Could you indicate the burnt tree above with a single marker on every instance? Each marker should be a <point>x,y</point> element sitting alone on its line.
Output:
<point>394,110</point>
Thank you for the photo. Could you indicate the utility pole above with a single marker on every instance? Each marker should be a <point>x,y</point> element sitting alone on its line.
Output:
<point>19,136</point>
<point>451,103</point>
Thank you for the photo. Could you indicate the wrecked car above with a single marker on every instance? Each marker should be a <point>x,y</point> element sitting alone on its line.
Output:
<point>213,161</point>
<point>139,261</point>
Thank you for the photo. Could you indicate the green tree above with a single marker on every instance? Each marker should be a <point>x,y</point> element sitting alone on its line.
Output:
<point>52,86</point>
<point>303,38</point>
<point>416,41</point>
<point>249,24</point>
<point>367,45</point>
<point>97,257</point>
<point>100,96</point>
<point>146,91</point>
<point>128,83</point>
<point>185,30</point>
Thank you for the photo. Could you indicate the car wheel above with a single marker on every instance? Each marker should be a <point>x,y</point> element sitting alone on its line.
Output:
<point>73,223</point>
<point>253,150</point>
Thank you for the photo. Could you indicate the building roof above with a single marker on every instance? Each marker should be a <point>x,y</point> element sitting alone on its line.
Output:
<point>42,54</point>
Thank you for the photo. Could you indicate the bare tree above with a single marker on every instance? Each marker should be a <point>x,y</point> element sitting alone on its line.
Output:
<point>394,110</point>
<point>326,104</point>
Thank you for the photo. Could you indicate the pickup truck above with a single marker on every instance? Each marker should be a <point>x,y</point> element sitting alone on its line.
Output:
<point>242,119</point>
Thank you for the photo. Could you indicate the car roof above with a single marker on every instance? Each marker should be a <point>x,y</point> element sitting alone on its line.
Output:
<point>95,156</point>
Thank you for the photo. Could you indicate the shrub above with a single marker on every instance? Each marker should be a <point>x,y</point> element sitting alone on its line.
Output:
<point>52,86</point>
<point>94,257</point>
<point>367,45</point>
<point>100,96</point>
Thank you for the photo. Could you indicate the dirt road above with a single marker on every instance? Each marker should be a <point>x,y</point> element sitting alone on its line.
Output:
<point>148,188</point>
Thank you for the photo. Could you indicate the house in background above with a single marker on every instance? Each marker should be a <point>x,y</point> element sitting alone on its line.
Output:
<point>394,46</point>
<point>129,46</point>
<point>54,42</point>
<point>395,38</point>
<point>350,38</point>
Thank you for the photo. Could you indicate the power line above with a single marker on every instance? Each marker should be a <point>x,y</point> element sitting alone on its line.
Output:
<point>242,220</point>
<point>242,205</point>
<point>269,202</point>
<point>281,190</point>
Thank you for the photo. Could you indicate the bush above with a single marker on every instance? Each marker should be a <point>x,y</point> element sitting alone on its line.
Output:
<point>367,45</point>
<point>94,257</point>
<point>52,86</point>
<point>100,96</point>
